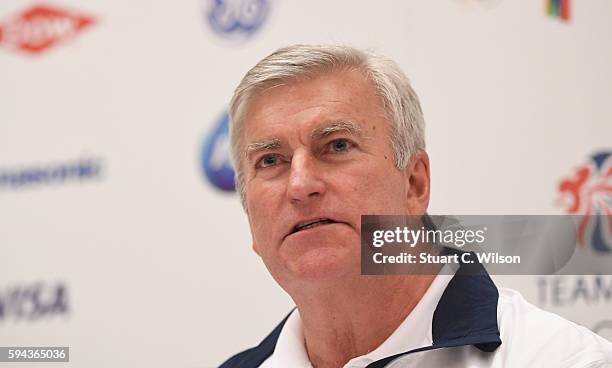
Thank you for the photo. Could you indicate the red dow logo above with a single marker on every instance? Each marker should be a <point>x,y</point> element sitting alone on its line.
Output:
<point>39,27</point>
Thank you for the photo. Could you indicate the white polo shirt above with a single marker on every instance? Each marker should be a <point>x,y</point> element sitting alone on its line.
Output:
<point>462,321</point>
<point>530,337</point>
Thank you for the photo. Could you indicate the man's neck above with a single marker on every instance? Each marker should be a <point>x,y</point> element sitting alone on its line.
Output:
<point>341,323</point>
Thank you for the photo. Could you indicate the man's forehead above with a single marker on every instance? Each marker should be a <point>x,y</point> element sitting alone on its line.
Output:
<point>343,92</point>
<point>297,111</point>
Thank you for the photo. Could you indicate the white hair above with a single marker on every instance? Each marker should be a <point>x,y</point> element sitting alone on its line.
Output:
<point>287,64</point>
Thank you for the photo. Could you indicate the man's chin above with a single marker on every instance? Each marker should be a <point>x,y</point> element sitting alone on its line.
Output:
<point>323,263</point>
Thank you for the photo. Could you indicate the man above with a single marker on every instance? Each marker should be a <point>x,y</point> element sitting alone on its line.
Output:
<point>321,135</point>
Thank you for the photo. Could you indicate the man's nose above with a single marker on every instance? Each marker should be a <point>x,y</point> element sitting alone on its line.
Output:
<point>305,183</point>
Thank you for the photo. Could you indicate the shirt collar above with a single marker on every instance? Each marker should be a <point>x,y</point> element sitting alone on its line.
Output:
<point>466,314</point>
<point>467,311</point>
<point>290,350</point>
<point>416,330</point>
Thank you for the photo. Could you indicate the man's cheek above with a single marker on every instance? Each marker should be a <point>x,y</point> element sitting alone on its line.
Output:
<point>256,248</point>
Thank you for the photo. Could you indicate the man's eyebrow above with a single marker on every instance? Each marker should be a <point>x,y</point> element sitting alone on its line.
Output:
<point>336,126</point>
<point>318,133</point>
<point>264,144</point>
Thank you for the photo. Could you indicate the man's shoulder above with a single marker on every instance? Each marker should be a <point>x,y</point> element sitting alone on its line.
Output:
<point>531,334</point>
<point>239,359</point>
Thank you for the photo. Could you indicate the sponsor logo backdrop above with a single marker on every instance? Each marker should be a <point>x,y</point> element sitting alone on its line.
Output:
<point>121,235</point>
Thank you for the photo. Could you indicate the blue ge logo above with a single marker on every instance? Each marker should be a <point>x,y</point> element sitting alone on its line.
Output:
<point>236,19</point>
<point>215,156</point>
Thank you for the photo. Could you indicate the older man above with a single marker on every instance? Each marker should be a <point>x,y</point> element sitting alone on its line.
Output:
<point>321,135</point>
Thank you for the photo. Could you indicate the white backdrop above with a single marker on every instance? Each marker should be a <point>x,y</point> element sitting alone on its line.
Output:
<point>114,242</point>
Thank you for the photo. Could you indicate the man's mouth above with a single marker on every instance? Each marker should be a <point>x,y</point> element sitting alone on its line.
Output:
<point>310,224</point>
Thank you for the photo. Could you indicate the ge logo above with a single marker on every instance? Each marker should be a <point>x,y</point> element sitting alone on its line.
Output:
<point>236,19</point>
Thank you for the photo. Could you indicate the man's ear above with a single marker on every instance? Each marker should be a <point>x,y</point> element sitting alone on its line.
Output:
<point>419,181</point>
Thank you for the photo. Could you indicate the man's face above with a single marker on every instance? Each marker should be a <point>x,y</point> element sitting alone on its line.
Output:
<point>317,158</point>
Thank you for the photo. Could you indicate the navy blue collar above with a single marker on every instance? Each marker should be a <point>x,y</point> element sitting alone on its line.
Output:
<point>466,315</point>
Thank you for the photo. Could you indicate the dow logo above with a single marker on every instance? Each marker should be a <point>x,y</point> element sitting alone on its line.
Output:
<point>38,28</point>
<point>236,19</point>
<point>588,193</point>
<point>215,156</point>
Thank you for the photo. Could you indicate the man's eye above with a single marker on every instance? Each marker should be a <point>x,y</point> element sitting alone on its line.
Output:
<point>340,145</point>
<point>267,161</point>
